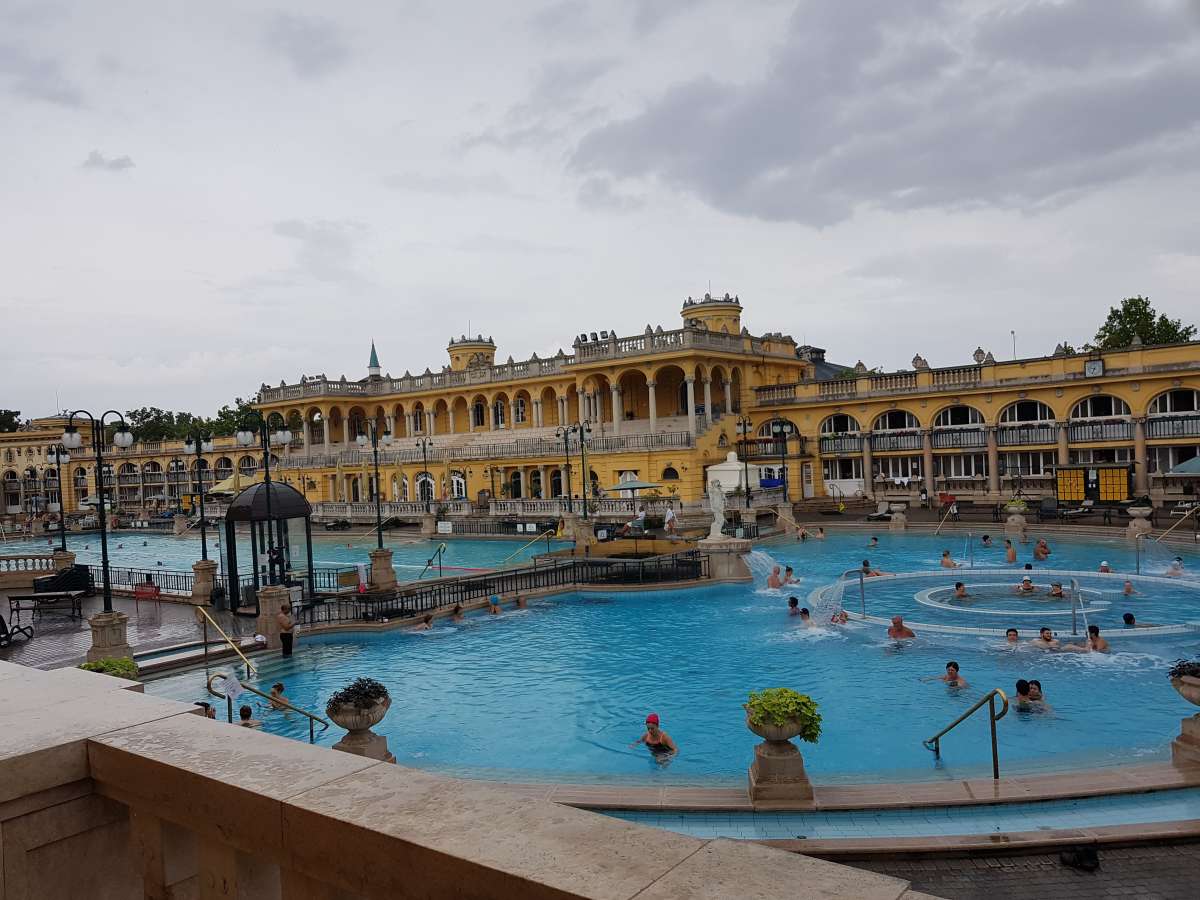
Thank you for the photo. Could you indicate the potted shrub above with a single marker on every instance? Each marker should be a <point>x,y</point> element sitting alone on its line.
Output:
<point>1185,678</point>
<point>119,667</point>
<point>359,706</point>
<point>1016,505</point>
<point>780,714</point>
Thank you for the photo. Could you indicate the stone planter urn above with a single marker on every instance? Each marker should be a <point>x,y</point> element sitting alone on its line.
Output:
<point>1139,521</point>
<point>358,722</point>
<point>777,774</point>
<point>1185,749</point>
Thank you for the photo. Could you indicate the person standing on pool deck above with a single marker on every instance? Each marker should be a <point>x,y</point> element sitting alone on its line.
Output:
<point>657,741</point>
<point>1010,552</point>
<point>898,631</point>
<point>287,627</point>
<point>670,524</point>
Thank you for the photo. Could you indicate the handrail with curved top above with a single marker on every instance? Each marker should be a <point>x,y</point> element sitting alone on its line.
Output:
<point>549,532</point>
<point>935,743</point>
<point>274,701</point>
<point>236,649</point>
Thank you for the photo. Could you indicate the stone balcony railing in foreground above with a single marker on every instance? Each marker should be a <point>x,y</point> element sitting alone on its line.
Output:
<point>106,792</point>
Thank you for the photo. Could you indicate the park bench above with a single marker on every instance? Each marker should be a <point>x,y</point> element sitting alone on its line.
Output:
<point>69,603</point>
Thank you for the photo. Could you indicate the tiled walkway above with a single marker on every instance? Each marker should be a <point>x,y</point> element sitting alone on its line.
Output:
<point>59,641</point>
<point>1147,873</point>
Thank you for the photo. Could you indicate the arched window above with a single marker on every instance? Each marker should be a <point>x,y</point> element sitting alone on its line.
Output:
<point>1099,407</point>
<point>1026,411</point>
<point>458,484</point>
<point>498,413</point>
<point>247,465</point>
<point>425,487</point>
<point>556,484</point>
<point>957,416</point>
<point>670,474</point>
<point>478,415</point>
<point>127,469</point>
<point>519,410</point>
<point>896,420</point>
<point>773,427</point>
<point>839,423</point>
<point>1184,400</point>
<point>404,488</point>
<point>223,468</point>
<point>515,485</point>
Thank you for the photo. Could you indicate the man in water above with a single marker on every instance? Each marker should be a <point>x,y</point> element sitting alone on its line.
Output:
<point>1010,552</point>
<point>951,678</point>
<point>1128,590</point>
<point>1026,586</point>
<point>773,580</point>
<point>1131,622</point>
<point>793,606</point>
<point>1056,590</point>
<point>1036,695</point>
<point>1012,636</point>
<point>1045,640</point>
<point>868,571</point>
<point>1094,643</point>
<point>1104,566</point>
<point>277,698</point>
<point>874,542</point>
<point>806,617</point>
<point>657,741</point>
<point>1175,570</point>
<point>960,591</point>
<point>987,540</point>
<point>789,575</point>
<point>898,631</point>
<point>819,534</point>
<point>1023,699</point>
<point>947,561</point>
<point>1041,550</point>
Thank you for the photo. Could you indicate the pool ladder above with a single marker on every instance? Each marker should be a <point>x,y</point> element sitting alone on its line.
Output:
<point>935,743</point>
<point>275,702</point>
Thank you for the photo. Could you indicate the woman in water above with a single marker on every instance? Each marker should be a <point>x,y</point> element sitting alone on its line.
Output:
<point>1010,552</point>
<point>1041,550</point>
<point>657,741</point>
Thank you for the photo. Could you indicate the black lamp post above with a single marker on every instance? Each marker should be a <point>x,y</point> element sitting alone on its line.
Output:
<point>122,438</point>
<point>199,442</point>
<point>372,434</point>
<point>743,426</point>
<point>281,437</point>
<point>782,430</point>
<point>425,444</point>
<point>583,429</point>
<point>564,432</point>
<point>58,455</point>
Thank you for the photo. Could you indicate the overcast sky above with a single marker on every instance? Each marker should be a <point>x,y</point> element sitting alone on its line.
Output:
<point>199,197</point>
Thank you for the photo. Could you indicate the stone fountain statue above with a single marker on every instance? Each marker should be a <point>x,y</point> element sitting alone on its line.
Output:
<point>716,500</point>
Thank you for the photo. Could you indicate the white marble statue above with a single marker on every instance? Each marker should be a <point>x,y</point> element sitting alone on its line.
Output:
<point>716,501</point>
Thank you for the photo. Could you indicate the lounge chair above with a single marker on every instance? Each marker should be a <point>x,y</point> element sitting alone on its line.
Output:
<point>8,635</point>
<point>1048,509</point>
<point>882,512</point>
<point>1086,508</point>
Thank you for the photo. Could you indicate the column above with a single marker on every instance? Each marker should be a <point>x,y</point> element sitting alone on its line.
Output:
<point>691,404</point>
<point>993,459</point>
<point>728,397</point>
<point>927,462</point>
<point>512,413</point>
<point>325,432</point>
<point>429,421</point>
<point>1141,459</point>
<point>346,430</point>
<point>491,415</point>
<point>306,432</point>
<point>1064,452</point>
<point>543,488</point>
<point>391,425</point>
<point>868,464</point>
<point>617,412</point>
<point>536,413</point>
<point>708,400</point>
<point>563,409</point>
<point>650,385</point>
<point>562,480</point>
<point>450,419</point>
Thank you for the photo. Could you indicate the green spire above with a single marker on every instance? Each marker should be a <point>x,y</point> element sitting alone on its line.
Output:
<point>374,363</point>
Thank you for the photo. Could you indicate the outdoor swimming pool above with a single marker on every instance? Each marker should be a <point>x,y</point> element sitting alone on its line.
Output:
<point>558,691</point>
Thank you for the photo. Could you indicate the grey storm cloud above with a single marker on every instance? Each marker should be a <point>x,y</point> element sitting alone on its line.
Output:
<point>914,105</point>
<point>97,160</point>
<point>314,47</point>
<point>37,77</point>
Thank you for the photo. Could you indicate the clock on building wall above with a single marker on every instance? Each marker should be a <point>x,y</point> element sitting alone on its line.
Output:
<point>1093,368</point>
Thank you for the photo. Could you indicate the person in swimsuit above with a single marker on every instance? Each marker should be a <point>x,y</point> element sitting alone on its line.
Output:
<point>1129,590</point>
<point>1026,586</point>
<point>947,561</point>
<point>1010,552</point>
<point>806,618</point>
<point>793,606</point>
<point>987,540</point>
<point>1104,567</point>
<point>898,631</point>
<point>960,591</point>
<point>1041,550</point>
<point>952,678</point>
<point>1011,636</point>
<point>1045,640</point>
<point>774,580</point>
<point>874,542</point>
<point>657,741</point>
<point>1056,591</point>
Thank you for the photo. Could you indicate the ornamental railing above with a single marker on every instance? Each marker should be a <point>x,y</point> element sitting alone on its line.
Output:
<point>909,440</point>
<point>953,438</point>
<point>1019,435</point>
<point>851,443</point>
<point>1172,427</point>
<point>1082,432</point>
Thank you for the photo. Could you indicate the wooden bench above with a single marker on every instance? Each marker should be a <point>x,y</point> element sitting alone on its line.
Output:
<point>67,602</point>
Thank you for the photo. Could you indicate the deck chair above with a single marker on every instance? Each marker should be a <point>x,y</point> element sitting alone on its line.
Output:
<point>1048,509</point>
<point>1086,508</point>
<point>882,512</point>
<point>8,635</point>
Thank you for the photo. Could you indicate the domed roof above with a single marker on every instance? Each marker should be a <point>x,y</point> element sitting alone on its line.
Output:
<point>251,504</point>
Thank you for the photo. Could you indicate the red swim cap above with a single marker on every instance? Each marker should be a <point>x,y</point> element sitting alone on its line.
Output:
<point>652,719</point>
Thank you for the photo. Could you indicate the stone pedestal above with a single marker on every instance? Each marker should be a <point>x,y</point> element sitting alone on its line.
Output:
<point>1015,525</point>
<point>1185,749</point>
<point>205,572</point>
<point>383,576</point>
<point>898,522</point>
<point>179,524</point>
<point>109,636</point>
<point>360,739</point>
<point>726,558</point>
<point>428,525</point>
<point>63,559</point>
<point>777,774</point>
<point>785,519</point>
<point>577,530</point>
<point>270,598</point>
<point>1139,522</point>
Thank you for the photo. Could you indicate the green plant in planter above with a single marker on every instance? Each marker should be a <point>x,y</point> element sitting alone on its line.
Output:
<point>1016,503</point>
<point>779,706</point>
<point>120,667</point>
<point>1183,667</point>
<point>363,693</point>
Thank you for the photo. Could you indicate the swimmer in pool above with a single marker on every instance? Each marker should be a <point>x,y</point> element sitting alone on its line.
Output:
<point>868,571</point>
<point>1056,590</point>
<point>1026,586</point>
<point>1093,644</point>
<point>952,678</point>
<point>874,542</point>
<point>1175,570</point>
<point>657,741</point>
<point>841,617</point>
<point>1010,552</point>
<point>773,580</point>
<point>1131,622</point>
<point>1104,567</point>
<point>806,618</point>
<point>819,534</point>
<point>960,591</point>
<point>1012,636</point>
<point>426,623</point>
<point>987,540</point>
<point>456,614</point>
<point>947,561</point>
<point>1128,590</point>
<point>1041,550</point>
<point>793,606</point>
<point>1036,695</point>
<point>1023,700</point>
<point>898,631</point>
<point>1045,640</point>
<point>789,575</point>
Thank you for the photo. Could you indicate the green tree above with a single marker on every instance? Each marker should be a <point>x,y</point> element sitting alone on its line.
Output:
<point>151,423</point>
<point>10,419</point>
<point>1135,317</point>
<point>228,417</point>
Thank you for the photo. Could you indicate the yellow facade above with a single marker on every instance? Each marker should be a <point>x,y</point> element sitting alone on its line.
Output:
<point>664,405</point>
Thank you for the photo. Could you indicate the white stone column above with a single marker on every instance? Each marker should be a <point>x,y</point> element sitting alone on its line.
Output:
<point>691,403</point>
<point>650,385</point>
<point>391,425</point>
<point>450,420</point>
<point>562,410</point>
<point>1064,451</point>
<point>325,431</point>
<point>491,415</point>
<point>927,463</point>
<point>346,430</point>
<point>708,400</point>
<point>562,481</point>
<point>429,421</point>
<point>993,460</point>
<point>1141,459</point>
<point>512,413</point>
<point>617,412</point>
<point>543,488</point>
<point>728,397</point>
<point>306,431</point>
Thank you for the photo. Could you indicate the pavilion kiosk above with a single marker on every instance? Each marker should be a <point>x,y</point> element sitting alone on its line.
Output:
<point>267,508</point>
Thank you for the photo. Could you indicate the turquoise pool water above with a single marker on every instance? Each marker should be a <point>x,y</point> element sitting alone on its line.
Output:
<point>1089,812</point>
<point>145,550</point>
<point>558,691</point>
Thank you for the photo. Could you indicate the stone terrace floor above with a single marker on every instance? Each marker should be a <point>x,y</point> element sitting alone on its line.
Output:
<point>1158,872</point>
<point>59,641</point>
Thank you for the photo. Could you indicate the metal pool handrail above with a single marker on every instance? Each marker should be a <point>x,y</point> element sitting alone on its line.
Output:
<point>236,649</point>
<point>548,533</point>
<point>274,701</point>
<point>935,743</point>
<point>862,588</point>
<point>1191,512</point>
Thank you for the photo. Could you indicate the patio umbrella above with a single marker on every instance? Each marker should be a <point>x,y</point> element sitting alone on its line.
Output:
<point>235,483</point>
<point>1187,467</point>
<point>634,486</point>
